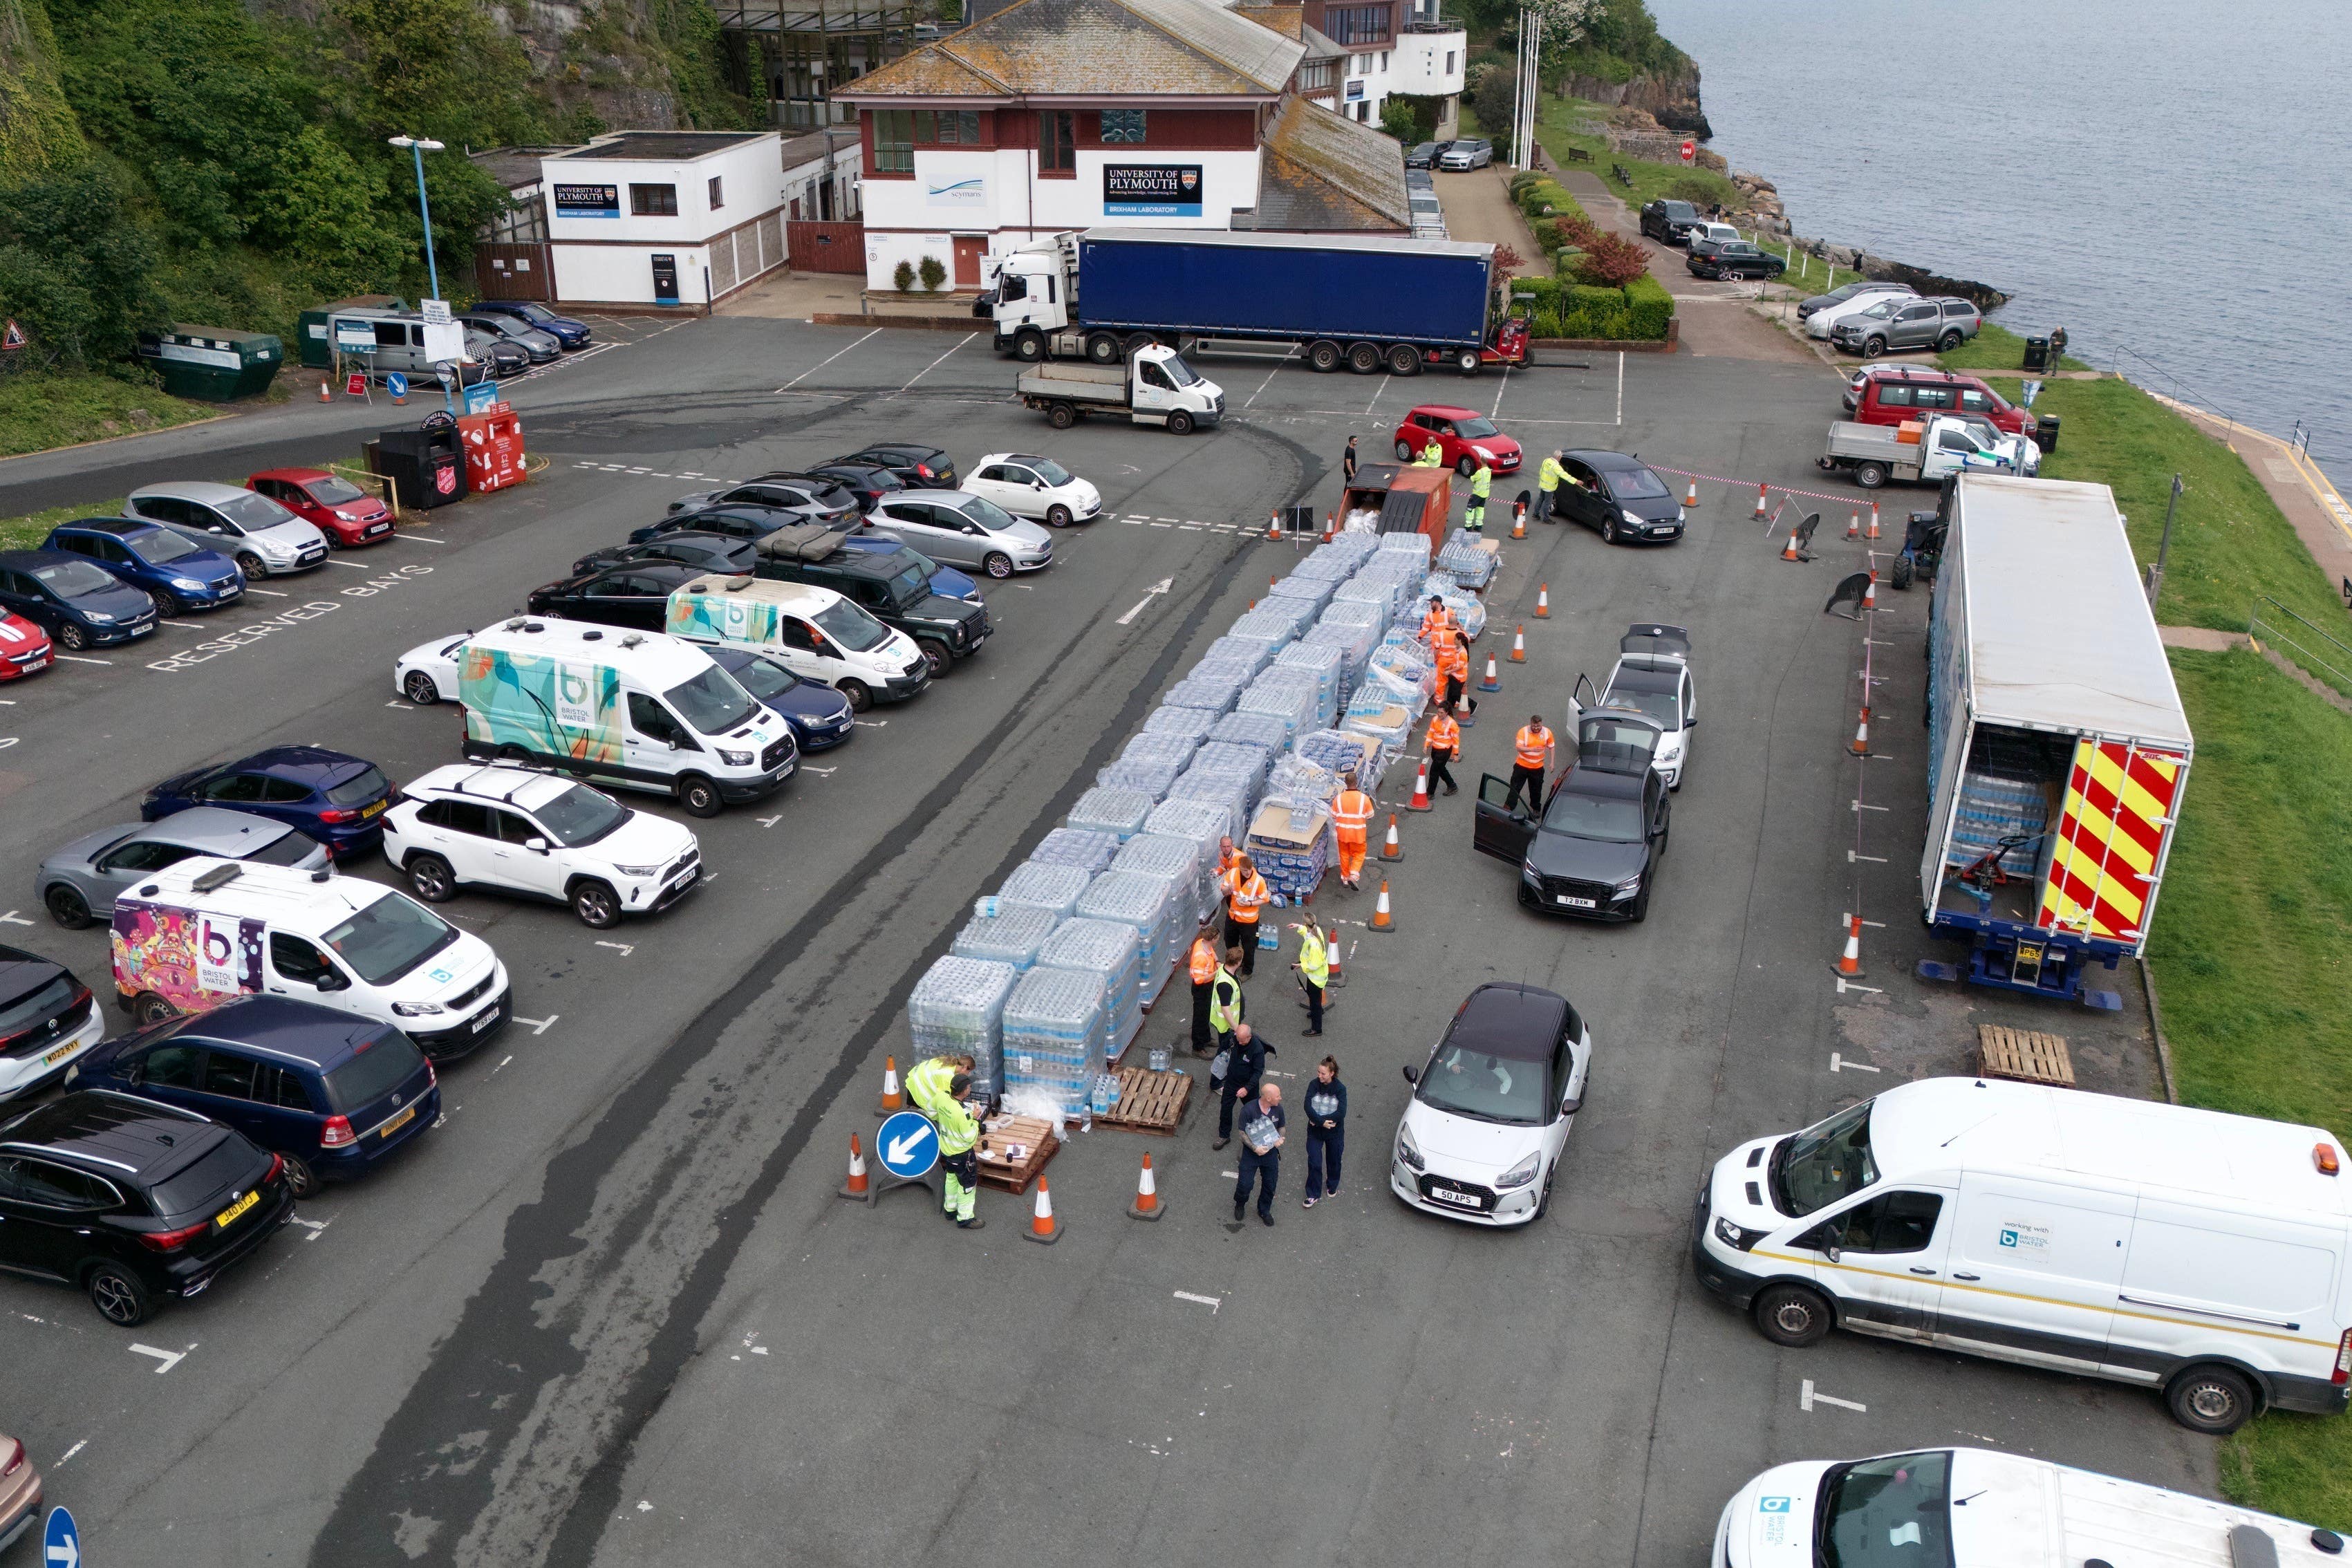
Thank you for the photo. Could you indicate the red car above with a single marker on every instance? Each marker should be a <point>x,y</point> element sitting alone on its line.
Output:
<point>1888,395</point>
<point>23,647</point>
<point>345,513</point>
<point>1462,435</point>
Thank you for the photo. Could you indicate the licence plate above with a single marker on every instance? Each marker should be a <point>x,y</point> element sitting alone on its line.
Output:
<point>379,527</point>
<point>61,1053</point>
<point>397,1122</point>
<point>373,809</point>
<point>228,1215</point>
<point>1460,1200</point>
<point>1577,903</point>
<point>40,662</point>
<point>485,1021</point>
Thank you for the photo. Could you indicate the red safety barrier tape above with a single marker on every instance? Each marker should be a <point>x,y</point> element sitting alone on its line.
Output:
<point>1748,484</point>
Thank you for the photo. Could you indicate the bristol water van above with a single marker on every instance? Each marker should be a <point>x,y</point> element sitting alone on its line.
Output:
<point>813,632</point>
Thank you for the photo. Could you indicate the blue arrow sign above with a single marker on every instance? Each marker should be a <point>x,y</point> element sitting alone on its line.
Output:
<point>908,1145</point>
<point>62,1542</point>
<point>396,384</point>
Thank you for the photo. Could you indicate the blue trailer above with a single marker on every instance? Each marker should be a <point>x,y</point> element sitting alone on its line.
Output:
<point>1369,302</point>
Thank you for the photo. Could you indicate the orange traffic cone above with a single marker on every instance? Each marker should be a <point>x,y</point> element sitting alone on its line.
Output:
<point>1272,583</point>
<point>856,1186</point>
<point>1763,507</point>
<point>891,1099</point>
<point>1861,747</point>
<point>1420,801</point>
<point>1493,680</point>
<point>1518,525</point>
<point>1147,1196</point>
<point>1382,919</point>
<point>325,394</point>
<point>1853,525</point>
<point>1690,494</point>
<point>1330,526</point>
<point>1789,550</point>
<point>1873,520</point>
<point>1042,1226</point>
<point>1518,645</point>
<point>1850,960</point>
<point>1543,601</point>
<point>1391,849</point>
<point>1273,525</point>
<point>1870,592</point>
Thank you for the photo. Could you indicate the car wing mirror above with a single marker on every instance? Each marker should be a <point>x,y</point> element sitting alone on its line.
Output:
<point>332,980</point>
<point>536,846</point>
<point>1571,1105</point>
<point>136,1074</point>
<point>1413,1075</point>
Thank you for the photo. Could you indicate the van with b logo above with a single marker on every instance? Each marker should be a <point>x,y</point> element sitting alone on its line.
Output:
<point>813,632</point>
<point>634,708</point>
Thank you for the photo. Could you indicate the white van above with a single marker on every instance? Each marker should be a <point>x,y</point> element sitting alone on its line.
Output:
<point>1975,1506</point>
<point>813,632</point>
<point>632,707</point>
<point>208,931</point>
<point>2189,1251</point>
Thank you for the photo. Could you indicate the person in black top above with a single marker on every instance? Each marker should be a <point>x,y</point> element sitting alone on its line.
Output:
<point>1327,1131</point>
<point>1262,1125</point>
<point>1244,1064</point>
<point>1348,462</point>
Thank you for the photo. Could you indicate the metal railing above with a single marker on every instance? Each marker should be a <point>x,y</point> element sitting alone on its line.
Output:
<point>2321,653</point>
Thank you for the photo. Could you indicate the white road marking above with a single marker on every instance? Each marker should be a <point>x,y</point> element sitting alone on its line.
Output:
<point>1620,387</point>
<point>346,565</point>
<point>1852,856</point>
<point>1845,985</point>
<point>396,702</point>
<point>1497,412</point>
<point>1269,376</point>
<point>821,363</point>
<point>1839,1064</point>
<point>1162,587</point>
<point>1807,1398</point>
<point>759,1350</point>
<point>872,723</point>
<point>537,1025</point>
<point>771,821</point>
<point>1212,1303</point>
<point>1376,392</point>
<point>421,538</point>
<point>494,1071</point>
<point>77,660</point>
<point>1858,806</point>
<point>11,918</point>
<point>810,768</point>
<point>315,1226</point>
<point>935,364</point>
<point>270,593</point>
<point>624,948</point>
<point>169,1358</point>
<point>69,1453</point>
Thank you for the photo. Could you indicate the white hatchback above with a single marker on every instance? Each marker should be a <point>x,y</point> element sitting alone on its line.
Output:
<point>1819,324</point>
<point>1034,487</point>
<point>524,831</point>
<point>427,673</point>
<point>1483,1135</point>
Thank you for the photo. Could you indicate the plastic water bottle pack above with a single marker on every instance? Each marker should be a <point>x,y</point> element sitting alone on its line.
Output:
<point>1470,565</point>
<point>1344,751</point>
<point>1248,764</point>
<point>1192,724</point>
<point>1140,901</point>
<point>1276,619</point>
<point>1296,781</point>
<point>1360,603</point>
<point>1118,812</point>
<point>1086,848</point>
<point>1329,564</point>
<point>1178,861</point>
<point>1199,823</point>
<point>1012,936</point>
<point>1253,652</point>
<point>1053,889</point>
<point>1355,646</point>
<point>1413,544</point>
<point>1228,794</point>
<point>1323,661</point>
<point>1110,952</point>
<point>1053,1032</point>
<point>958,1007</point>
<point>1295,696</point>
<point>1207,692</point>
<point>1313,592</point>
<point>1150,762</point>
<point>1215,667</point>
<point>1378,712</point>
<point>1267,733</point>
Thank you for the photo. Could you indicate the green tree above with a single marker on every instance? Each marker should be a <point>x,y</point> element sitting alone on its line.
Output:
<point>37,128</point>
<point>75,267</point>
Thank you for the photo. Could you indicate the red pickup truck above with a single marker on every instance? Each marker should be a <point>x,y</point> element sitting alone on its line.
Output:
<point>1889,395</point>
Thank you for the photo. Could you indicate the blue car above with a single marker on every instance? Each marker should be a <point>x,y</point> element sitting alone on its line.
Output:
<point>570,333</point>
<point>946,581</point>
<point>819,715</point>
<point>72,600</point>
<point>329,1092</point>
<point>337,799</point>
<point>177,573</point>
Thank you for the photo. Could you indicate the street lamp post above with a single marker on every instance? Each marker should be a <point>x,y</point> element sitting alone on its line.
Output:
<point>419,146</point>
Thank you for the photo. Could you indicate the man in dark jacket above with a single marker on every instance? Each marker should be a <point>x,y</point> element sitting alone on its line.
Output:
<point>1327,1131</point>
<point>1262,1136</point>
<point>1347,463</point>
<point>1244,1064</point>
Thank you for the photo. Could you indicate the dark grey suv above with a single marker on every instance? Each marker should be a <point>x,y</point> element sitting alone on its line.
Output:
<point>1898,324</point>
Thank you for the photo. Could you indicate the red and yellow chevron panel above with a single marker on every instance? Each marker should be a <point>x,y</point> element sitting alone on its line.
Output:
<point>2120,800</point>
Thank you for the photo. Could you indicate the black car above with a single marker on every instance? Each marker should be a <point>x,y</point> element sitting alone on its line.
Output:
<point>1732,259</point>
<point>1619,498</point>
<point>73,600</point>
<point>918,467</point>
<point>704,552</point>
<point>739,520</point>
<point>809,497</point>
<point>45,1019</point>
<point>892,587</point>
<point>1595,852</point>
<point>869,483</point>
<point>1670,221</point>
<point>1423,155</point>
<point>132,1200</point>
<point>633,594</point>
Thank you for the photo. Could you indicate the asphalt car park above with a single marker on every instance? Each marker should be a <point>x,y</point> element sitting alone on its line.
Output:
<point>616,1274</point>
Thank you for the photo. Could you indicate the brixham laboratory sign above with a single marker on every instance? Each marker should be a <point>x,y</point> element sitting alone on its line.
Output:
<point>1151,190</point>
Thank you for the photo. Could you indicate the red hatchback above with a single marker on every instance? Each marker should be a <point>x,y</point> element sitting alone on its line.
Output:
<point>23,647</point>
<point>1462,435</point>
<point>345,513</point>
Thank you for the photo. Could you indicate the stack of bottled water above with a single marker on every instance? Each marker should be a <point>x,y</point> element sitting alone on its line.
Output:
<point>1469,612</point>
<point>1268,732</point>
<point>1192,724</point>
<point>1404,669</point>
<point>1109,952</point>
<point>1118,812</point>
<point>1348,551</point>
<point>1355,644</point>
<point>1151,761</point>
<point>1229,794</point>
<point>1297,782</point>
<point>1378,712</point>
<point>1144,903</point>
<point>1344,751</point>
<point>1053,889</point>
<point>1313,592</point>
<point>1365,599</point>
<point>1053,1032</point>
<point>1465,560</point>
<point>1212,693</point>
<point>1324,662</point>
<point>1177,860</point>
<point>1200,824</point>
<point>1083,848</point>
<point>957,1008</point>
<point>1292,615</point>
<point>1411,544</point>
<point>1295,696</point>
<point>1009,936</point>
<point>1252,651</point>
<point>1248,764</point>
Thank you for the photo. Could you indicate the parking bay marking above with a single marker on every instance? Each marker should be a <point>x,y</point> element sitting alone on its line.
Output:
<point>12,919</point>
<point>825,362</point>
<point>1212,1303</point>
<point>537,1025</point>
<point>1807,1398</point>
<point>169,1358</point>
<point>625,948</point>
<point>317,1227</point>
<point>1839,1064</point>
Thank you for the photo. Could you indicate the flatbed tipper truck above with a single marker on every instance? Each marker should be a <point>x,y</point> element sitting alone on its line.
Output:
<point>2058,751</point>
<point>1366,302</point>
<point>1924,451</point>
<point>1151,387</point>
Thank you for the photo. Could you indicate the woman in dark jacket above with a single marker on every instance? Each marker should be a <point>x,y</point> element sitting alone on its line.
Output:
<point>1326,1105</point>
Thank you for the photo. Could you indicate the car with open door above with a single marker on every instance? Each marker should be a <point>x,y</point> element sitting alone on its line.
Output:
<point>1483,1134</point>
<point>1594,851</point>
<point>1619,497</point>
<point>1654,675</point>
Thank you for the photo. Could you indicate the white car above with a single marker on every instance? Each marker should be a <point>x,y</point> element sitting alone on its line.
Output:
<point>524,831</point>
<point>427,673</point>
<point>1706,231</point>
<point>1819,324</point>
<point>1652,677</point>
<point>1034,487</point>
<point>1482,1137</point>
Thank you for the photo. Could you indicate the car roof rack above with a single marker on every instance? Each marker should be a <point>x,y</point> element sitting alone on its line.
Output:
<point>801,543</point>
<point>219,877</point>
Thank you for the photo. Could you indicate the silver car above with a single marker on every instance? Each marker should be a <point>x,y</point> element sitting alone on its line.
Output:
<point>264,537</point>
<point>1469,153</point>
<point>78,883</point>
<point>964,530</point>
<point>1901,324</point>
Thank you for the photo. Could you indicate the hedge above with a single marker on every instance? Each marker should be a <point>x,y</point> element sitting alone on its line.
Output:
<point>1649,307</point>
<point>1566,309</point>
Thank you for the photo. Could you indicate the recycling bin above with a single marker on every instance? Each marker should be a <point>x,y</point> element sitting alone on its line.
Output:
<point>427,468</point>
<point>212,365</point>
<point>2037,354</point>
<point>493,447</point>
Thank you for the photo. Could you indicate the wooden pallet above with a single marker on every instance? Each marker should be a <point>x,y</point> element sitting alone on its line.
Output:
<point>2024,1055</point>
<point>1001,1167</point>
<point>1149,1101</point>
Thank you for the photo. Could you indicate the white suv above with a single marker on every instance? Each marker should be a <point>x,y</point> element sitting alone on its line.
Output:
<point>522,830</point>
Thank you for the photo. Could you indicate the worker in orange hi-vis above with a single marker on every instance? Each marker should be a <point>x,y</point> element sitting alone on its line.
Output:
<point>1204,974</point>
<point>1437,625</point>
<point>1226,856</point>
<point>1454,668</point>
<point>1352,819</point>
<point>1246,894</point>
<point>1531,753</point>
<point>1443,744</point>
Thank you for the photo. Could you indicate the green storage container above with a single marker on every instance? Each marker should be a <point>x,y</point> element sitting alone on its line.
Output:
<point>212,365</point>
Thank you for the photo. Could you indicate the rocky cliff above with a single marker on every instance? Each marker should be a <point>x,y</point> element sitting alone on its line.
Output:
<point>1672,96</point>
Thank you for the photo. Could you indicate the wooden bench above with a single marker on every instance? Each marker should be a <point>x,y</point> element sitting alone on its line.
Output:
<point>2024,1055</point>
<point>1579,156</point>
<point>1618,172</point>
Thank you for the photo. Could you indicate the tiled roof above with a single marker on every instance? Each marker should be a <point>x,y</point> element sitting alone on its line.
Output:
<point>1146,49</point>
<point>1290,21</point>
<point>1323,171</point>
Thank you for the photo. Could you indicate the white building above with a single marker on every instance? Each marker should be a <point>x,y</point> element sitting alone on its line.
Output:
<point>662,218</point>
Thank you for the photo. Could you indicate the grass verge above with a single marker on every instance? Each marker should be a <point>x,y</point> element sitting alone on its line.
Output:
<point>1996,347</point>
<point>25,532</point>
<point>42,411</point>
